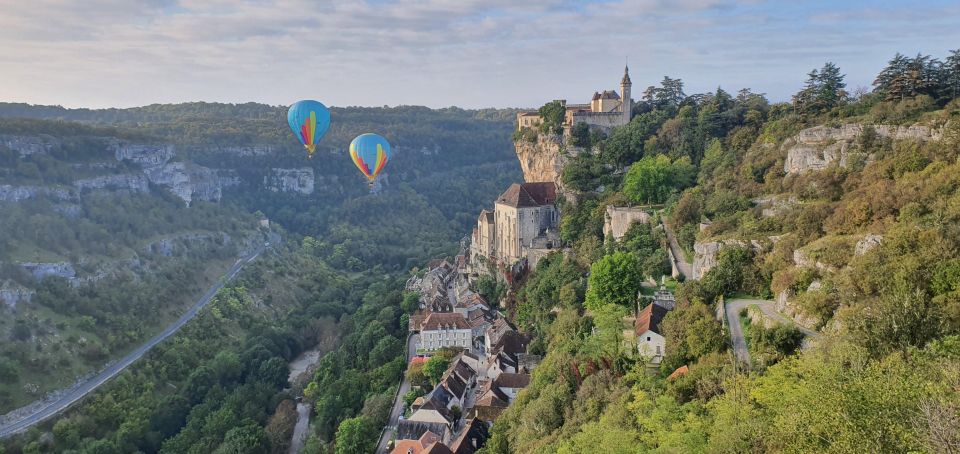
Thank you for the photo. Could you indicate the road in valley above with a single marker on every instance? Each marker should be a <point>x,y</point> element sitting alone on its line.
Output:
<point>737,339</point>
<point>80,390</point>
<point>398,403</point>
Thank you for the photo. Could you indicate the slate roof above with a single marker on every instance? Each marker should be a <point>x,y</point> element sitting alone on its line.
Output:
<point>529,194</point>
<point>413,430</point>
<point>473,437</point>
<point>512,342</point>
<point>650,318</point>
<point>499,328</point>
<point>508,380</point>
<point>609,94</point>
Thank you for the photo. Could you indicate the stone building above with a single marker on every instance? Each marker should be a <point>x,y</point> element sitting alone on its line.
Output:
<point>606,110</point>
<point>525,218</point>
<point>443,330</point>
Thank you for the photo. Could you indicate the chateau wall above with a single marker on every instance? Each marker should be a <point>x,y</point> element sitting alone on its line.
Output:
<point>604,120</point>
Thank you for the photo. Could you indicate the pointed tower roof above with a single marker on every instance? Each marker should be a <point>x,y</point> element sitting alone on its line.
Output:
<point>626,76</point>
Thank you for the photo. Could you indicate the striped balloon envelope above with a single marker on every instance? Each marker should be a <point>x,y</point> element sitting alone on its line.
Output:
<point>309,121</point>
<point>370,153</point>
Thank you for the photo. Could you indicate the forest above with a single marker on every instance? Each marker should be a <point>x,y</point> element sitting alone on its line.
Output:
<point>883,373</point>
<point>334,284</point>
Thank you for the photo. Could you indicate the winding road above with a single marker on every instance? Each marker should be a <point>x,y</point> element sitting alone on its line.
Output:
<point>79,391</point>
<point>737,339</point>
<point>398,403</point>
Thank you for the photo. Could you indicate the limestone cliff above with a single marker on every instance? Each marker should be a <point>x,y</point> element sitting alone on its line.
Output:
<point>28,145</point>
<point>542,160</point>
<point>818,147</point>
<point>298,180</point>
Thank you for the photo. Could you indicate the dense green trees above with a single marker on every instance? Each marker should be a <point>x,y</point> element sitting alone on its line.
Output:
<point>652,180</point>
<point>614,279</point>
<point>552,117</point>
<point>823,90</point>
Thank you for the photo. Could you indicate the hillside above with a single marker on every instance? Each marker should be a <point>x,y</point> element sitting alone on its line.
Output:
<point>842,210</point>
<point>116,220</point>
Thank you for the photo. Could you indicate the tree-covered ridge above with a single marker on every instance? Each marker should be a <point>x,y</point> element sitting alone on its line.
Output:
<point>877,242</point>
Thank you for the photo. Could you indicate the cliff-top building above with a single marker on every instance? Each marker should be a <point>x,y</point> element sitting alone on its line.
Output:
<point>524,218</point>
<point>606,110</point>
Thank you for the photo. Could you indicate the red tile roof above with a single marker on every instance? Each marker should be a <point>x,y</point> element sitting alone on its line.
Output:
<point>650,318</point>
<point>680,371</point>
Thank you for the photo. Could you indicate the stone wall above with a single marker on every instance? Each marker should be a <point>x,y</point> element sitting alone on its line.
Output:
<point>618,220</point>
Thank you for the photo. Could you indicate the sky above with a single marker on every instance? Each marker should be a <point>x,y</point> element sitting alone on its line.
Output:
<point>438,53</point>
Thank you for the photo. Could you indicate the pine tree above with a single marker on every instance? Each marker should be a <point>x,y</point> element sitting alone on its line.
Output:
<point>951,74</point>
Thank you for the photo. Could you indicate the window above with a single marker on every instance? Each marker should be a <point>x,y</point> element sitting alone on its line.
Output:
<point>658,350</point>
<point>648,338</point>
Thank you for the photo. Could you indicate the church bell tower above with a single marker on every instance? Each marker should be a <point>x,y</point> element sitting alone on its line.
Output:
<point>626,103</point>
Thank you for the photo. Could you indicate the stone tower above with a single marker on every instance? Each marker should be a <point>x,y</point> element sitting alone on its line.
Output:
<point>627,103</point>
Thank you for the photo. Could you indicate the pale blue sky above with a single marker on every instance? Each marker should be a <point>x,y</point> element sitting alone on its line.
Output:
<point>469,53</point>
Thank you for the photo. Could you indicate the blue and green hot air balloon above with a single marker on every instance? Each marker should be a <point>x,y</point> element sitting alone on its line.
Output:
<point>309,121</point>
<point>370,153</point>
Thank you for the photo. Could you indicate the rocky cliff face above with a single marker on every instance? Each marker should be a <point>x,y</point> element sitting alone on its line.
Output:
<point>131,182</point>
<point>10,193</point>
<point>28,145</point>
<point>187,181</point>
<point>705,253</point>
<point>12,294</point>
<point>542,160</point>
<point>300,180</point>
<point>818,147</point>
<point>39,271</point>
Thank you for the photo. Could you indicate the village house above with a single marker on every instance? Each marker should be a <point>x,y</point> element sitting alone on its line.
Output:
<point>511,383</point>
<point>490,403</point>
<point>606,110</point>
<point>444,330</point>
<point>650,341</point>
<point>435,432</point>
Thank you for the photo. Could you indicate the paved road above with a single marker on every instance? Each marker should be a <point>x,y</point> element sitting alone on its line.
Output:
<point>79,391</point>
<point>398,403</point>
<point>685,268</point>
<point>737,339</point>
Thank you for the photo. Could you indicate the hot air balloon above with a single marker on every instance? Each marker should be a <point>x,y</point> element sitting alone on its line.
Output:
<point>370,154</point>
<point>309,121</point>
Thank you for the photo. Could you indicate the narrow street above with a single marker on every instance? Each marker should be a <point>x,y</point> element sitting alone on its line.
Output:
<point>398,403</point>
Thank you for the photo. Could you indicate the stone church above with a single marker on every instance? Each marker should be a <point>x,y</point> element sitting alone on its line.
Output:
<point>606,110</point>
<point>523,223</point>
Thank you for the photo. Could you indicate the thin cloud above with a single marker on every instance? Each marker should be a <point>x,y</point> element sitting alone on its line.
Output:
<point>470,53</point>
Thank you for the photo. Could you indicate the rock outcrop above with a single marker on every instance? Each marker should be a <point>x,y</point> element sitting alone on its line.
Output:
<point>144,155</point>
<point>618,220</point>
<point>801,260</point>
<point>9,193</point>
<point>818,147</point>
<point>28,145</point>
<point>771,206</point>
<point>290,180</point>
<point>868,242</point>
<point>705,254</point>
<point>40,271</point>
<point>12,294</point>
<point>542,160</point>
<point>173,245</point>
<point>130,182</point>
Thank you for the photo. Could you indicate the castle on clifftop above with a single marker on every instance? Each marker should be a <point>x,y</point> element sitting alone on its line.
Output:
<point>606,110</point>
